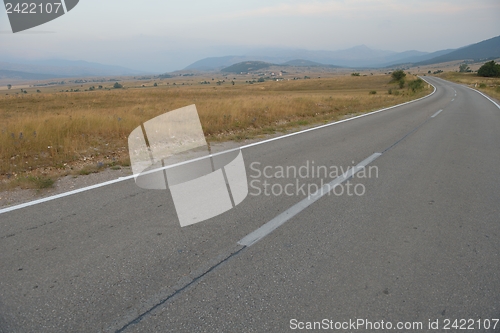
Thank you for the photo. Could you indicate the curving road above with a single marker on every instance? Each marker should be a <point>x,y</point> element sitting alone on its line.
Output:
<point>419,241</point>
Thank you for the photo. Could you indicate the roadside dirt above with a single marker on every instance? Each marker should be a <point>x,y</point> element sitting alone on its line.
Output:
<point>69,183</point>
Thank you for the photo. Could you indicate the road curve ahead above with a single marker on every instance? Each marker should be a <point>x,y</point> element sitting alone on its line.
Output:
<point>415,240</point>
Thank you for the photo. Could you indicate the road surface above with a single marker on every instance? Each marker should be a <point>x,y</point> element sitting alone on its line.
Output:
<point>419,241</point>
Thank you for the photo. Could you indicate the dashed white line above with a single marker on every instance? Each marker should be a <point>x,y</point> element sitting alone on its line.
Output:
<point>279,220</point>
<point>435,114</point>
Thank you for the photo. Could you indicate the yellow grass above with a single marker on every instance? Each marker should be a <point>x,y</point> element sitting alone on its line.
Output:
<point>51,133</point>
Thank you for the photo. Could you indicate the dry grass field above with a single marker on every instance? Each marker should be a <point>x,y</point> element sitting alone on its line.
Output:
<point>48,134</point>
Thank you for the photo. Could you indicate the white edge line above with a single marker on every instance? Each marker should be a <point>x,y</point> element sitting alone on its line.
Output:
<point>279,220</point>
<point>61,195</point>
<point>485,96</point>
<point>435,114</point>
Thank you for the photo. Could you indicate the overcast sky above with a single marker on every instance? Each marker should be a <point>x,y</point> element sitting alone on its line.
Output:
<point>160,35</point>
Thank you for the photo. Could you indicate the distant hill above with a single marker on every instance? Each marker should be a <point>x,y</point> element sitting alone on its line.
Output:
<point>214,63</point>
<point>61,67</point>
<point>487,49</point>
<point>304,63</point>
<point>7,74</point>
<point>246,66</point>
<point>415,59</point>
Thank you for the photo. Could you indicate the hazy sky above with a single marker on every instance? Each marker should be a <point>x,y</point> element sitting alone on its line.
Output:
<point>159,35</point>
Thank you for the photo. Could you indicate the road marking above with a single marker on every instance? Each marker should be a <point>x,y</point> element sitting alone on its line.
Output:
<point>279,220</point>
<point>462,85</point>
<point>61,195</point>
<point>435,114</point>
<point>452,99</point>
<point>65,194</point>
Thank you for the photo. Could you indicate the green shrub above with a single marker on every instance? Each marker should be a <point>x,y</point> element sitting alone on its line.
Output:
<point>416,85</point>
<point>354,74</point>
<point>117,85</point>
<point>398,75</point>
<point>40,182</point>
<point>373,92</point>
<point>489,69</point>
<point>482,85</point>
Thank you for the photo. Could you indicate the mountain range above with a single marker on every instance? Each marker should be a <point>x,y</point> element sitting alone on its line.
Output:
<point>485,50</point>
<point>59,68</point>
<point>356,57</point>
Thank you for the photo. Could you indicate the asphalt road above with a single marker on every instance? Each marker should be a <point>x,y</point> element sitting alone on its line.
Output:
<point>421,242</point>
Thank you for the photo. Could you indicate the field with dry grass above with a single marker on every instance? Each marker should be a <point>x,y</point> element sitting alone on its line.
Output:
<point>48,134</point>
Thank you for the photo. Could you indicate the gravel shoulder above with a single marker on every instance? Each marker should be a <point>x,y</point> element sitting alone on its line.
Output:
<point>69,183</point>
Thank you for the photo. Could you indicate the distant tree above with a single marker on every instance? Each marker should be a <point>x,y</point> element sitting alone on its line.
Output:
<point>117,85</point>
<point>489,69</point>
<point>9,86</point>
<point>398,75</point>
<point>156,84</point>
<point>354,74</point>
<point>463,68</point>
